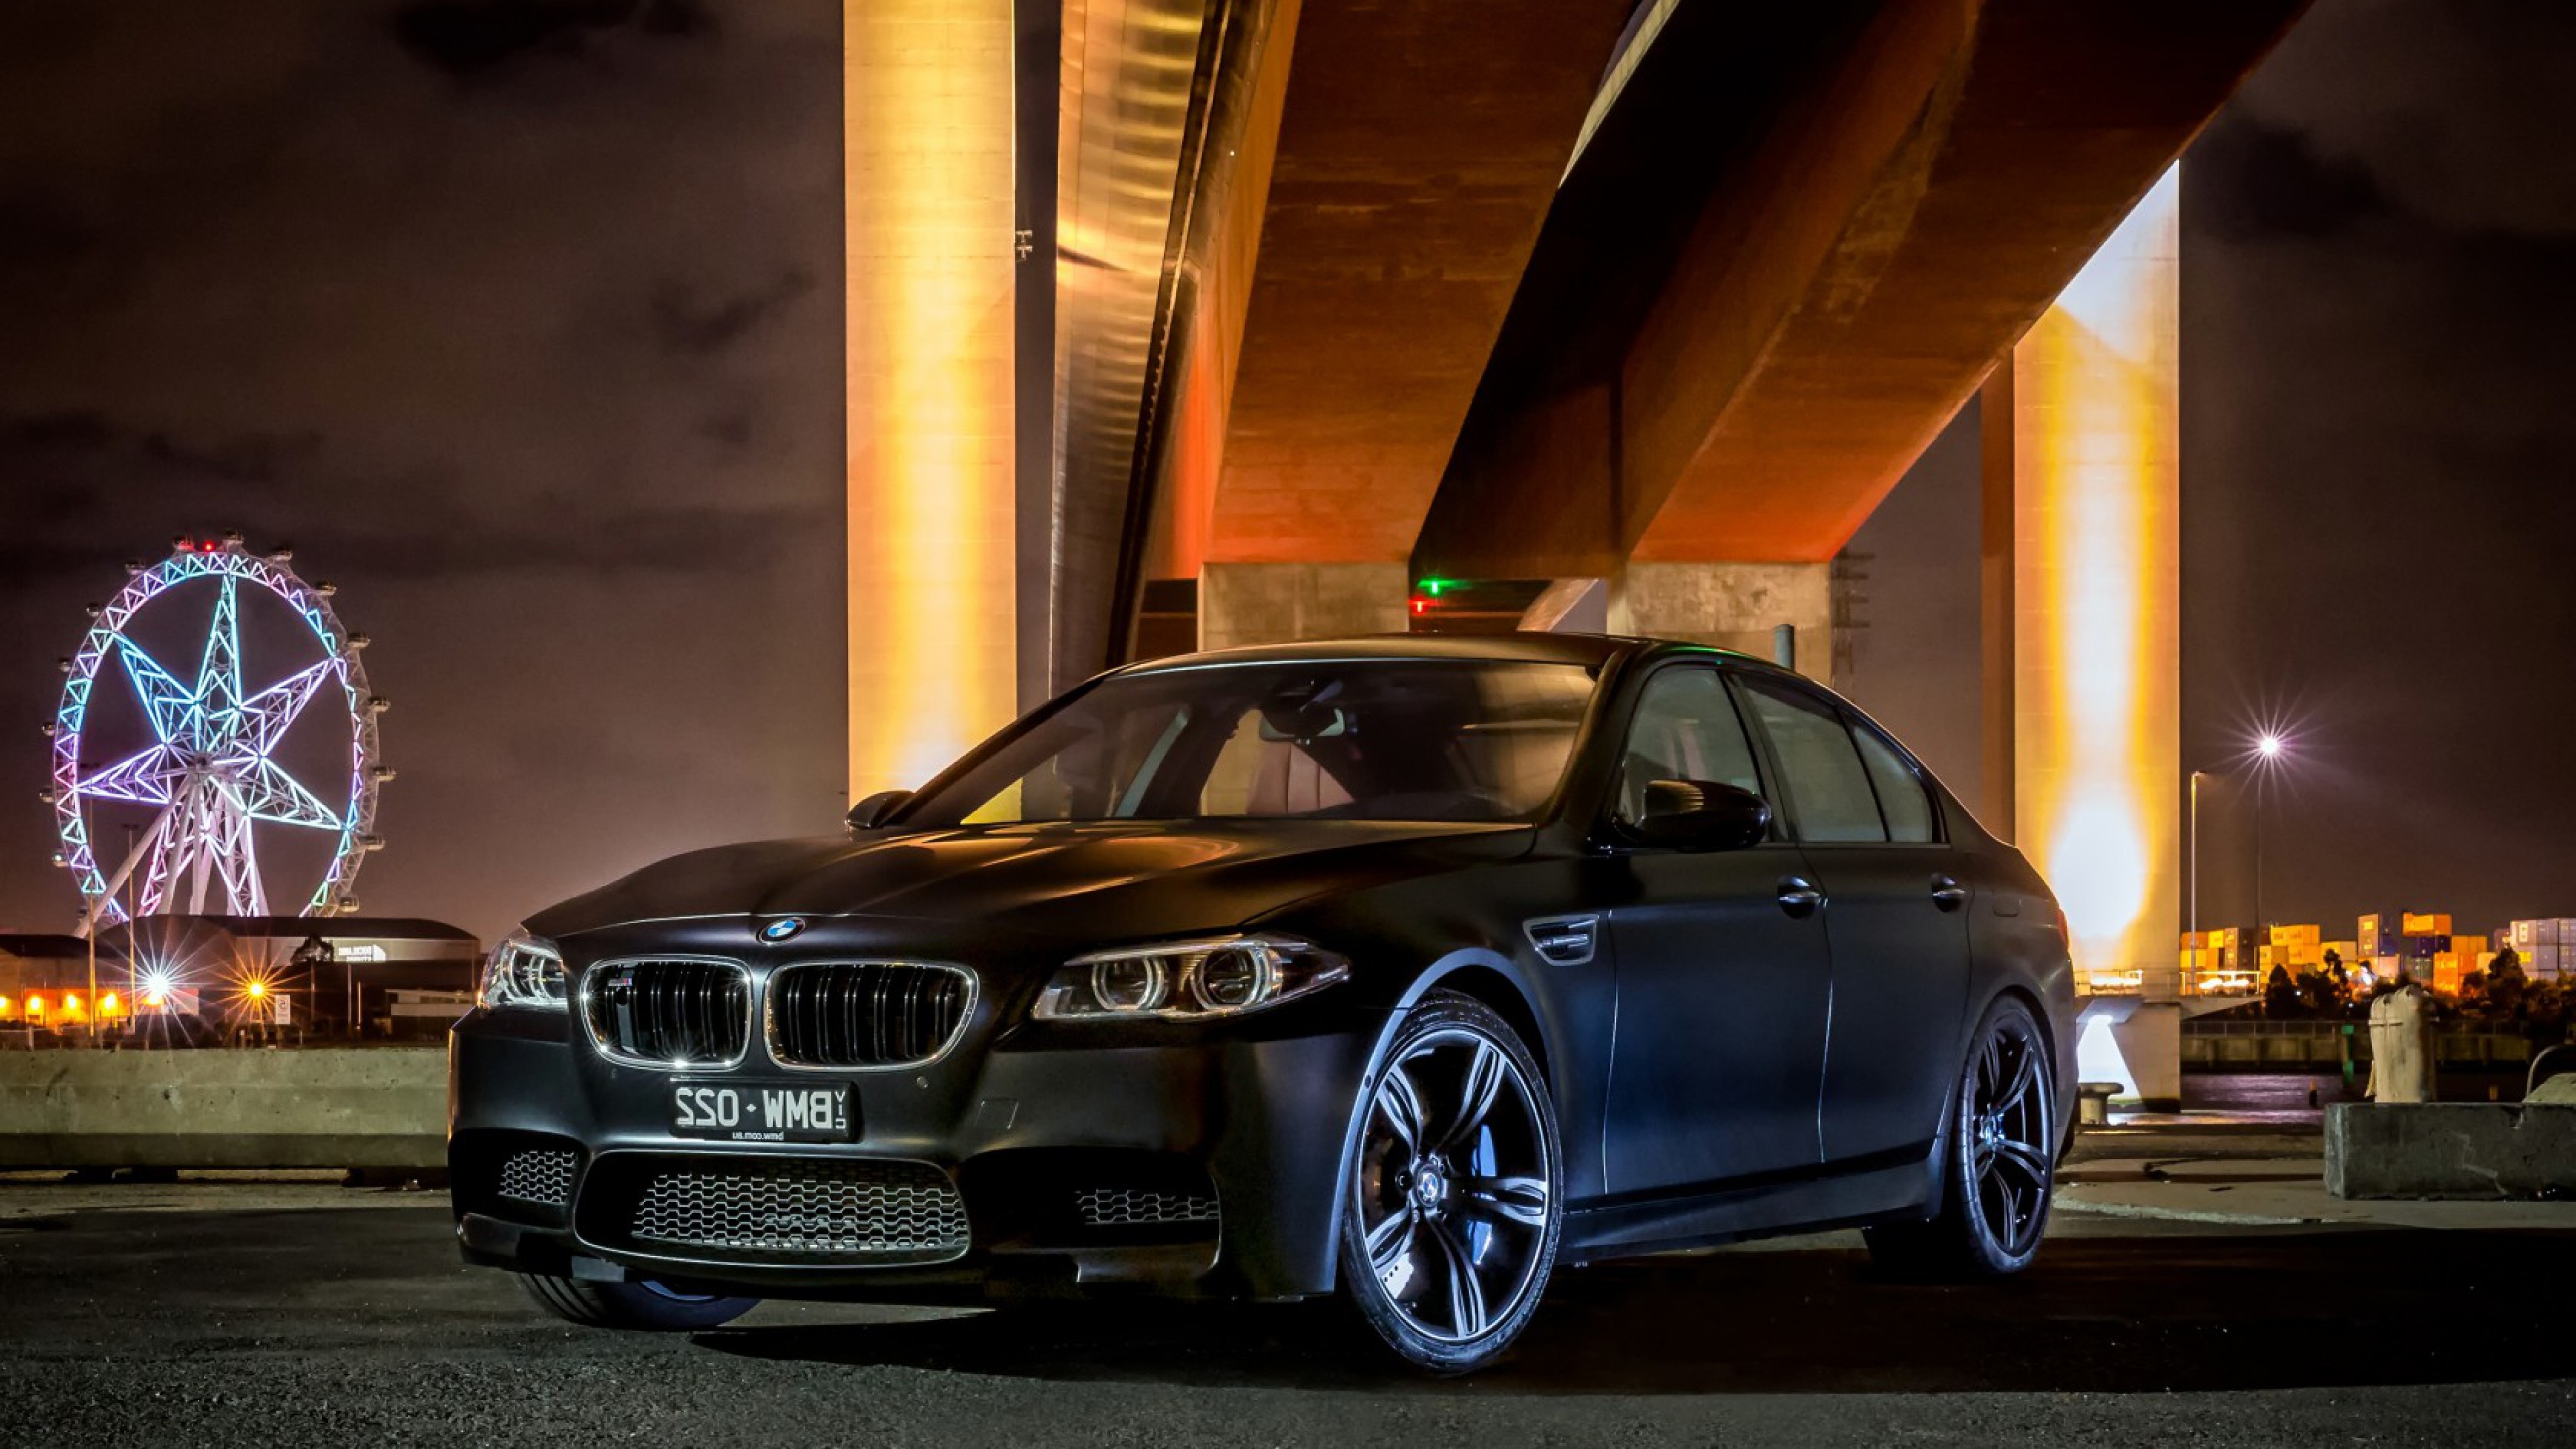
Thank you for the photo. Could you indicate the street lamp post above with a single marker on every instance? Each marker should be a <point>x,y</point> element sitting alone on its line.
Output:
<point>2192,908</point>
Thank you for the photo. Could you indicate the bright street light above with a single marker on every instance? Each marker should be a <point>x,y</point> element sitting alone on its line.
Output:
<point>2268,746</point>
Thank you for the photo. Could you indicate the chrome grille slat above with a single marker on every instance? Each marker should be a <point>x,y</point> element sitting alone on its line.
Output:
<point>670,1011</point>
<point>860,1014</point>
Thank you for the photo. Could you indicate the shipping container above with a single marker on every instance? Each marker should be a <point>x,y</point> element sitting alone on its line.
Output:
<point>2446,973</point>
<point>2427,925</point>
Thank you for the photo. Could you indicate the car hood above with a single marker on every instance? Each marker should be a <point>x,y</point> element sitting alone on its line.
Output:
<point>1093,881</point>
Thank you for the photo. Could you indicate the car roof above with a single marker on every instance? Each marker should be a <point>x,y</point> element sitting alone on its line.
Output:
<point>1531,648</point>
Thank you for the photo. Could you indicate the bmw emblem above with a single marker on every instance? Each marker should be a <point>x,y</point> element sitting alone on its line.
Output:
<point>785,928</point>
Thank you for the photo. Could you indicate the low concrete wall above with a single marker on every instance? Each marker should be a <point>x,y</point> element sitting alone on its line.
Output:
<point>382,1107</point>
<point>2449,1150</point>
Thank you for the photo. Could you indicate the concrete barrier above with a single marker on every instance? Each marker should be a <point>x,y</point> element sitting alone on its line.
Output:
<point>382,1107</point>
<point>2450,1150</point>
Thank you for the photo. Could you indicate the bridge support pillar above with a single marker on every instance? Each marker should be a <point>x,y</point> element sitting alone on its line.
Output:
<point>935,603</point>
<point>2083,579</point>
<point>1732,606</point>
<point>1279,603</point>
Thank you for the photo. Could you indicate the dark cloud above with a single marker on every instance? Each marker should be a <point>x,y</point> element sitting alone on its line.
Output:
<point>2257,180</point>
<point>696,326</point>
<point>64,446</point>
<point>467,38</point>
<point>2458,109</point>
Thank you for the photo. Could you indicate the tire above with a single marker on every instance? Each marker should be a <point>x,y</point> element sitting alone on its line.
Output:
<point>1998,1160</point>
<point>641,1306</point>
<point>1453,1204</point>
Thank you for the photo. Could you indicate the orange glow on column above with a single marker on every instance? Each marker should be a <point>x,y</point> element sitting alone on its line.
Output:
<point>932,552</point>
<point>2097,658</point>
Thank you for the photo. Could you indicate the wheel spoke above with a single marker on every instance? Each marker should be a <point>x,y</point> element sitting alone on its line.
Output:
<point>1995,1200</point>
<point>1467,1314</point>
<point>1401,1105</point>
<point>2024,1159</point>
<point>1521,1200</point>
<point>1389,1242</point>
<point>1476,1096</point>
<point>2025,1073</point>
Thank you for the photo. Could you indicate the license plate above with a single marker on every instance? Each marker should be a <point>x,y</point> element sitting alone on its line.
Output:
<point>773,1111</point>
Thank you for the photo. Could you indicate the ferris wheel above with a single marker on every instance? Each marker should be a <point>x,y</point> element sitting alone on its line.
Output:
<point>208,779</point>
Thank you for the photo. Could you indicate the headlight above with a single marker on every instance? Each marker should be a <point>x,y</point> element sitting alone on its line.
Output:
<point>524,970</point>
<point>1190,979</point>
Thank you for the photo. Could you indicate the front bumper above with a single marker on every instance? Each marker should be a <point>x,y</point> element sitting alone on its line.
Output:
<point>1020,1119</point>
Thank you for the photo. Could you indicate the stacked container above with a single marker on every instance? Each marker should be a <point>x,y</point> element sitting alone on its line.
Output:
<point>2544,946</point>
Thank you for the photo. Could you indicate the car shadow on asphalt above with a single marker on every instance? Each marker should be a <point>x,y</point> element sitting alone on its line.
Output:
<point>2126,1315</point>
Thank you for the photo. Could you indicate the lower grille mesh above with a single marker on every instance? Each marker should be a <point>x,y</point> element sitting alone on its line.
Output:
<point>1109,1207</point>
<point>538,1175</point>
<point>875,1211</point>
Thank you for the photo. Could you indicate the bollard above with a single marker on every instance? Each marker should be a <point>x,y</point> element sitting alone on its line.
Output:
<point>2401,1070</point>
<point>2093,1103</point>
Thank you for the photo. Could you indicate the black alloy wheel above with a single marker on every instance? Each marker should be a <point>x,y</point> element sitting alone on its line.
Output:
<point>1453,1213</point>
<point>1998,1159</point>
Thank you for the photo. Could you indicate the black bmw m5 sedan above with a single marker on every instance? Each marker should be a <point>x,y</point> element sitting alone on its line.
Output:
<point>1403,969</point>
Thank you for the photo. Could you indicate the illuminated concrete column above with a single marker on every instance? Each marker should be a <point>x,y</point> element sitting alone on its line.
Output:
<point>2095,612</point>
<point>1731,605</point>
<point>927,132</point>
<point>1280,603</point>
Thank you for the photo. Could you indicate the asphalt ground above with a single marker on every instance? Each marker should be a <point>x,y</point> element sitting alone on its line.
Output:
<point>292,1313</point>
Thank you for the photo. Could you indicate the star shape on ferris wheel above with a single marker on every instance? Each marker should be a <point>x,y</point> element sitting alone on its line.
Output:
<point>215,733</point>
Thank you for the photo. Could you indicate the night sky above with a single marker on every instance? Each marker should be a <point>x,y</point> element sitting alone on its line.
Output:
<point>521,322</point>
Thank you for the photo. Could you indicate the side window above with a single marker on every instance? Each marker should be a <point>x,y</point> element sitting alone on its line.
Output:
<point>1902,799</point>
<point>1829,796</point>
<point>1686,729</point>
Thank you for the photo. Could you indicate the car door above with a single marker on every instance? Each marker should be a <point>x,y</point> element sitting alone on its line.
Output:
<point>1895,918</point>
<point>1722,990</point>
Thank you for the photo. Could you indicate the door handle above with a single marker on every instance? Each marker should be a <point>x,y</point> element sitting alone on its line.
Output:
<point>1799,896</point>
<point>1948,894</point>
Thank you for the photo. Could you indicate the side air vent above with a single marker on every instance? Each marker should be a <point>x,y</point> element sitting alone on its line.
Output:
<point>1564,940</point>
<point>537,1175</point>
<point>1117,1207</point>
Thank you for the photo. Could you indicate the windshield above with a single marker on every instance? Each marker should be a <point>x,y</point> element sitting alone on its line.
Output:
<point>1372,739</point>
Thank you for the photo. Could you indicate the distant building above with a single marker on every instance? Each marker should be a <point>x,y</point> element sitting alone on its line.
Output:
<point>318,973</point>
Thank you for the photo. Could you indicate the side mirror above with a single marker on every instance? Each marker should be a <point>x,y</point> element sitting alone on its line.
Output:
<point>1702,815</point>
<point>875,810</point>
